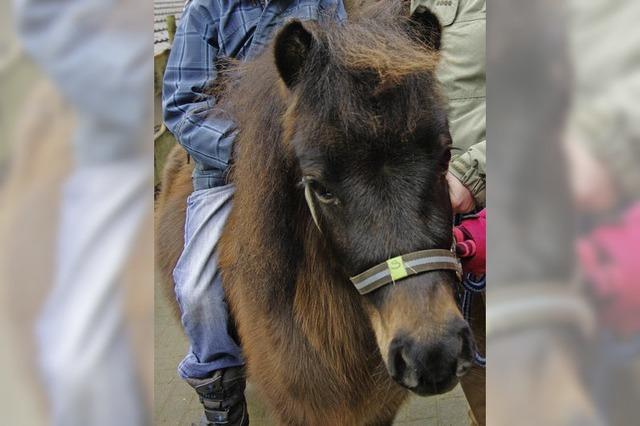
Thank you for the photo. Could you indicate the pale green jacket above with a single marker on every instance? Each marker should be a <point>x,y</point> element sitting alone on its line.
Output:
<point>604,41</point>
<point>462,75</point>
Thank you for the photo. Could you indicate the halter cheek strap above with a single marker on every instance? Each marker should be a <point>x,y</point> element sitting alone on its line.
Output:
<point>405,266</point>
<point>308,196</point>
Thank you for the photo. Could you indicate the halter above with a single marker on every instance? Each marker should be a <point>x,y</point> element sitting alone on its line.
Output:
<point>399,267</point>
<point>414,263</point>
<point>404,266</point>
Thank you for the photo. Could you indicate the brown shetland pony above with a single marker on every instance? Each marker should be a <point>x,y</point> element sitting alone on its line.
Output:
<point>355,110</point>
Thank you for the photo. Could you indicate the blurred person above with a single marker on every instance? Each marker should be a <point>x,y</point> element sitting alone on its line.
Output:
<point>101,65</point>
<point>609,265</point>
<point>538,323</point>
<point>609,271</point>
<point>542,65</point>
<point>209,33</point>
<point>603,149</point>
<point>603,131</point>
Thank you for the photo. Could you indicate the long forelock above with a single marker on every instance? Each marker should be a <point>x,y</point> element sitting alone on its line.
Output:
<point>370,74</point>
<point>384,49</point>
<point>357,101</point>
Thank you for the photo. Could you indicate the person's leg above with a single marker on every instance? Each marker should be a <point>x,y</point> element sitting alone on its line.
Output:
<point>103,69</point>
<point>213,365</point>
<point>85,356</point>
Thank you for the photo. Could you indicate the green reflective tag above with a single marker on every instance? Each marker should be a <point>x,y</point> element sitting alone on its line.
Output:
<point>396,268</point>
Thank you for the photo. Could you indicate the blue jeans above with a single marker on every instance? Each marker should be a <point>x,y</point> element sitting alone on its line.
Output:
<point>198,286</point>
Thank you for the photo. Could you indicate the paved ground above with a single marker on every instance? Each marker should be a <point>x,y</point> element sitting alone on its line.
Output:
<point>176,404</point>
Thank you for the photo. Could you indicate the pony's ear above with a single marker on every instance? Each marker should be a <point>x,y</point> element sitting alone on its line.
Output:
<point>425,26</point>
<point>292,47</point>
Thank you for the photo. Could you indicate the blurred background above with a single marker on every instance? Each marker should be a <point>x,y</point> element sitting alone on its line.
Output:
<point>76,223</point>
<point>76,179</point>
<point>563,279</point>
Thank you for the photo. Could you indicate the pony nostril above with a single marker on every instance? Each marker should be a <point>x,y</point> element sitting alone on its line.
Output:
<point>397,364</point>
<point>401,366</point>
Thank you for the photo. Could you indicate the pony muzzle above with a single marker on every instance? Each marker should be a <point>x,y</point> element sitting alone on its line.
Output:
<point>433,365</point>
<point>425,342</point>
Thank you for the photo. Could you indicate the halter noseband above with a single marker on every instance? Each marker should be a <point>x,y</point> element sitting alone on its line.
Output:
<point>398,267</point>
<point>404,266</point>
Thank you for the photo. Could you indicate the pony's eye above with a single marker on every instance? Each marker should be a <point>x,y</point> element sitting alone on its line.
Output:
<point>321,192</point>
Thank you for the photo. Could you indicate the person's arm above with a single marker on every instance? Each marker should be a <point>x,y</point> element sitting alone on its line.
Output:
<point>189,111</point>
<point>467,178</point>
<point>462,76</point>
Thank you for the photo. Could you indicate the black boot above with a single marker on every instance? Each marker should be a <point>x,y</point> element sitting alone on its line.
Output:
<point>222,396</point>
